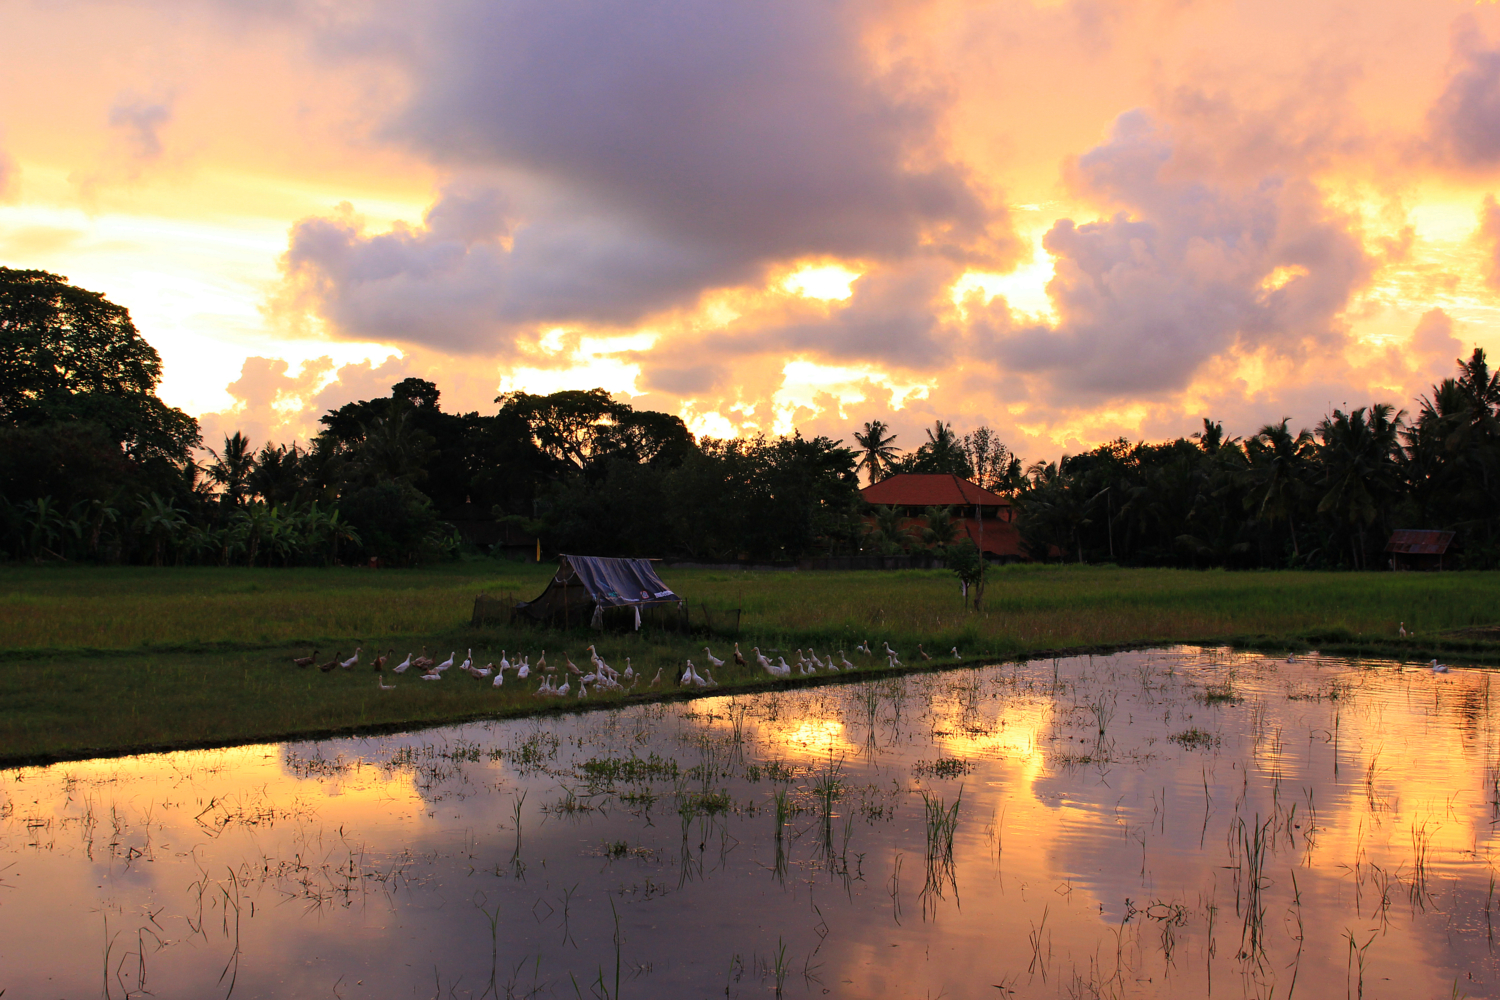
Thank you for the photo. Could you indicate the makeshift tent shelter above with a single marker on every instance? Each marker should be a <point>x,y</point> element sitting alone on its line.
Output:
<point>586,589</point>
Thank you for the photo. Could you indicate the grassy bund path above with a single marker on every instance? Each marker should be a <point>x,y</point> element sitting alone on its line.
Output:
<point>107,661</point>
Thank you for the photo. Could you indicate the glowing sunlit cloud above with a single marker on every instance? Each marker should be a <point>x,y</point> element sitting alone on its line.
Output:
<point>828,281</point>
<point>812,388</point>
<point>593,364</point>
<point>195,288</point>
<point>1282,276</point>
<point>709,423</point>
<point>1024,289</point>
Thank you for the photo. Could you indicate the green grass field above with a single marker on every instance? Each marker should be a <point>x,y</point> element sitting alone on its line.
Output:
<point>110,660</point>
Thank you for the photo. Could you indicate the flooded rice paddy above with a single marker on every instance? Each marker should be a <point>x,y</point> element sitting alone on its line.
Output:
<point>1178,822</point>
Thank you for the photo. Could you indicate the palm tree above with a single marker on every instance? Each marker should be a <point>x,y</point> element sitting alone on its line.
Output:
<point>161,522</point>
<point>277,476</point>
<point>888,532</point>
<point>1479,388</point>
<point>1360,471</point>
<point>340,530</point>
<point>233,467</point>
<point>1277,474</point>
<point>941,529</point>
<point>879,452</point>
<point>45,525</point>
<point>943,448</point>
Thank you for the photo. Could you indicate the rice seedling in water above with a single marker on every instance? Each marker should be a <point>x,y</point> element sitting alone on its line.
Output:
<point>941,823</point>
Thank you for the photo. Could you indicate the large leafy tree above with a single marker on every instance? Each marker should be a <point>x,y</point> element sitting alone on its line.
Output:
<point>585,430</point>
<point>68,355</point>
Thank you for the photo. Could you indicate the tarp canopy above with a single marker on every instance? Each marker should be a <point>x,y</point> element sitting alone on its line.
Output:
<point>585,583</point>
<point>618,582</point>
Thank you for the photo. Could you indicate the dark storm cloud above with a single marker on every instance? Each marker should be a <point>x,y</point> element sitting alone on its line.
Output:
<point>678,381</point>
<point>469,277</point>
<point>898,314</point>
<point>1465,119</point>
<point>1187,270</point>
<point>755,126</point>
<point>654,150</point>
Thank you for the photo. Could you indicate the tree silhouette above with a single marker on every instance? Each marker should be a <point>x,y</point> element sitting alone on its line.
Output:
<point>233,467</point>
<point>879,453</point>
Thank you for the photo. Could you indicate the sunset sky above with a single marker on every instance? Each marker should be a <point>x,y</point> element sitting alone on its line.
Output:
<point>1070,220</point>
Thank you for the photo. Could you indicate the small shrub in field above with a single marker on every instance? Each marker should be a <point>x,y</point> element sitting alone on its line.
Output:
<point>943,767</point>
<point>1195,739</point>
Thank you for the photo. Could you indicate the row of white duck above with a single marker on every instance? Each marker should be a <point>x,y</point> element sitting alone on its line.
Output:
<point>810,664</point>
<point>601,676</point>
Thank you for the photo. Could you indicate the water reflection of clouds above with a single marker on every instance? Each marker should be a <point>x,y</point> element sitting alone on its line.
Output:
<point>370,858</point>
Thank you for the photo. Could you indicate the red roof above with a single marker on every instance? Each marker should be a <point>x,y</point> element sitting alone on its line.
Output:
<point>910,489</point>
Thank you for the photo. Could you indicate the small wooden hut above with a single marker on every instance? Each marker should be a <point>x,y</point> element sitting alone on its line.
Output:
<point>1417,548</point>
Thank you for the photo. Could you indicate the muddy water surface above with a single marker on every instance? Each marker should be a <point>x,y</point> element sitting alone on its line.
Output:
<point>1151,824</point>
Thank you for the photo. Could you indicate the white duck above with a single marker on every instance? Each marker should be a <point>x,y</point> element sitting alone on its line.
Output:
<point>349,663</point>
<point>1438,668</point>
<point>562,692</point>
<point>844,660</point>
<point>432,677</point>
<point>657,679</point>
<point>404,665</point>
<point>445,664</point>
<point>712,659</point>
<point>380,682</point>
<point>955,654</point>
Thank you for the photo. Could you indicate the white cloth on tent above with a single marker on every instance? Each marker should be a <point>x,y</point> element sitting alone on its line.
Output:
<point>637,617</point>
<point>598,619</point>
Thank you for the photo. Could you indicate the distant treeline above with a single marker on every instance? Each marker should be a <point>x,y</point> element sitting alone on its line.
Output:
<point>93,466</point>
<point>1325,498</point>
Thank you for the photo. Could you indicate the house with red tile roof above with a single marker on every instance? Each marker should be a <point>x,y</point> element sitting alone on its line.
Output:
<point>988,518</point>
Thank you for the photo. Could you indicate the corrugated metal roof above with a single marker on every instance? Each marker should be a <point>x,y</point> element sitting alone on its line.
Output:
<point>910,489</point>
<point>1419,542</point>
